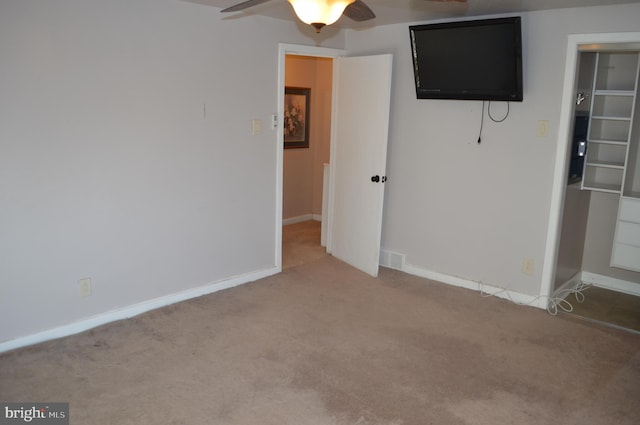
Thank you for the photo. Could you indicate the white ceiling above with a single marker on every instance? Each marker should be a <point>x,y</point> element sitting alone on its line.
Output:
<point>399,11</point>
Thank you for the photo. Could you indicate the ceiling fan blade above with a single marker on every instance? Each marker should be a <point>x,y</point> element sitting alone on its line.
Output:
<point>358,11</point>
<point>243,5</point>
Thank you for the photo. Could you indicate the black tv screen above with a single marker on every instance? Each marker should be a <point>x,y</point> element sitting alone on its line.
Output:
<point>472,60</point>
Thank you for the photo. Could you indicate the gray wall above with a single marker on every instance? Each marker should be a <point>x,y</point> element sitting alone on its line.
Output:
<point>126,153</point>
<point>476,211</point>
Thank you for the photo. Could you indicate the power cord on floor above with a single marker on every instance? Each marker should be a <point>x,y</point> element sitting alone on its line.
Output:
<point>555,302</point>
<point>558,299</point>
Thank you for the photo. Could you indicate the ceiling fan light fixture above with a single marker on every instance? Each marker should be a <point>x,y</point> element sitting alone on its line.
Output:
<point>319,12</point>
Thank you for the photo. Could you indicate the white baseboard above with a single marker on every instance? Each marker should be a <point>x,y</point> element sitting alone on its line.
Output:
<point>395,260</point>
<point>301,218</point>
<point>614,284</point>
<point>133,310</point>
<point>508,294</point>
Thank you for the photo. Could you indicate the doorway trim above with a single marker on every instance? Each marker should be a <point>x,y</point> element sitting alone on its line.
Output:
<point>564,136</point>
<point>285,49</point>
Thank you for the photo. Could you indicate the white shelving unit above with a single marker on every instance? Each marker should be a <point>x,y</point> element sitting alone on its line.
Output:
<point>612,163</point>
<point>610,123</point>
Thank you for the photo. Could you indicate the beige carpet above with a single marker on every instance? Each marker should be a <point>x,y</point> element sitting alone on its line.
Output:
<point>323,344</point>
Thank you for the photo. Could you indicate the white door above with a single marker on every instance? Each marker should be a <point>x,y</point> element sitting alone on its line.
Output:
<point>360,128</point>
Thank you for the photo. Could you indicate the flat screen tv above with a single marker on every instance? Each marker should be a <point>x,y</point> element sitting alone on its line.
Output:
<point>471,60</point>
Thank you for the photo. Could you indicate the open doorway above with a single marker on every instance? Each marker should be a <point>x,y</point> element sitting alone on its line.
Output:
<point>597,153</point>
<point>358,145</point>
<point>305,167</point>
<point>307,112</point>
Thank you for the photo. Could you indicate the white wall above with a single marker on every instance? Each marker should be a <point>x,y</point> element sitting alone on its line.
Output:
<point>126,154</point>
<point>476,211</point>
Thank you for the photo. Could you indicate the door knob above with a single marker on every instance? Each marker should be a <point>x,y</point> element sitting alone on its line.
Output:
<point>375,179</point>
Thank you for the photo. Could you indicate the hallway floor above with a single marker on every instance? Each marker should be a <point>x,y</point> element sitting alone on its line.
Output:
<point>301,243</point>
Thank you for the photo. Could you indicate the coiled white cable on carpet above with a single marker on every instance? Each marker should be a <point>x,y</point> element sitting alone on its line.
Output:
<point>556,302</point>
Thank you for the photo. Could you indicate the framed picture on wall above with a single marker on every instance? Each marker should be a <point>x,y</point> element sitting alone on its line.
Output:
<point>296,117</point>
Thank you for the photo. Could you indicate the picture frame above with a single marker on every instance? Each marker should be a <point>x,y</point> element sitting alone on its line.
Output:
<point>296,117</point>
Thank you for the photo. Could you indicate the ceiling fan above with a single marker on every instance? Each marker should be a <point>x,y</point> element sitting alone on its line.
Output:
<point>318,13</point>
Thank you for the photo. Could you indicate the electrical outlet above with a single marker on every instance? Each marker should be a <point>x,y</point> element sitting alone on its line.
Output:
<point>527,266</point>
<point>85,287</point>
<point>543,128</point>
<point>256,127</point>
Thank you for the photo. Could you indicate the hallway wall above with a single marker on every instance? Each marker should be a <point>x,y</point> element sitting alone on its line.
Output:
<point>303,168</point>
